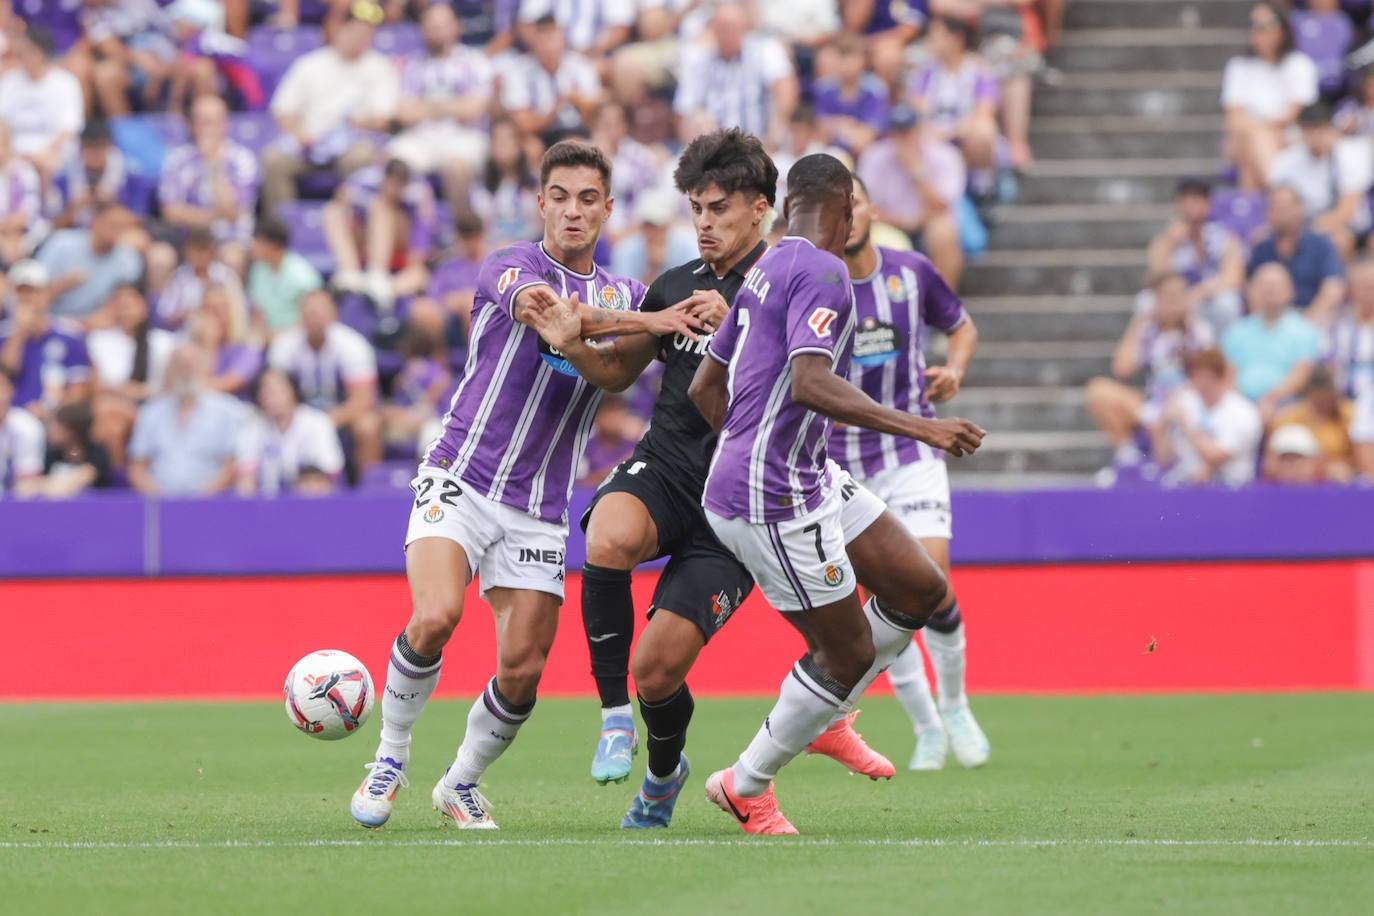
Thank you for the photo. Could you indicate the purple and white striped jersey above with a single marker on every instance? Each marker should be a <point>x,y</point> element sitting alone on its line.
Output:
<point>1350,352</point>
<point>769,464</point>
<point>190,178</point>
<point>1199,262</point>
<point>582,21</point>
<point>893,306</point>
<point>518,423</point>
<point>947,97</point>
<point>461,72</point>
<point>21,190</point>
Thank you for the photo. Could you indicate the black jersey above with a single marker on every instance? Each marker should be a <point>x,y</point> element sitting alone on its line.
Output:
<point>679,435</point>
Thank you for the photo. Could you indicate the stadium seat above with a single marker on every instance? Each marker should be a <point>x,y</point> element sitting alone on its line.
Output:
<point>272,51</point>
<point>388,475</point>
<point>307,233</point>
<point>253,129</point>
<point>1240,211</point>
<point>398,39</point>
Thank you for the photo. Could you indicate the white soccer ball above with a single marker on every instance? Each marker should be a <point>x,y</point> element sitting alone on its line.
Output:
<point>328,694</point>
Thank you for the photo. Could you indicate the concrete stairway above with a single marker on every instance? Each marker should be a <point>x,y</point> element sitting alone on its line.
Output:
<point>1137,108</point>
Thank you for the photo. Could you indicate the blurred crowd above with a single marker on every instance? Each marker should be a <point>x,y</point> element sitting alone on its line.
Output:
<point>1255,334</point>
<point>240,239</point>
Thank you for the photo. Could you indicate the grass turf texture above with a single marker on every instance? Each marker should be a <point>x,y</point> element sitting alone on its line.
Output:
<point>1162,804</point>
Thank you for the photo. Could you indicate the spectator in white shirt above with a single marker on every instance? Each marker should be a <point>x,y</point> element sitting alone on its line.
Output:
<point>1208,432</point>
<point>332,105</point>
<point>1332,176</point>
<point>21,441</point>
<point>287,446</point>
<point>22,225</point>
<point>42,104</point>
<point>336,370</point>
<point>552,92</point>
<point>1262,93</point>
<point>743,79</point>
<point>129,361</point>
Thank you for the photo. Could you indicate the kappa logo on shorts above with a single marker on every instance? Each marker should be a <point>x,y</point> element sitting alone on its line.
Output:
<point>434,515</point>
<point>507,278</point>
<point>833,575</point>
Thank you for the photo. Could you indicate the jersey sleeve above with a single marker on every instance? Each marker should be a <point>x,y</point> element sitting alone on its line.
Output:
<point>506,273</point>
<point>819,302</point>
<point>940,305</point>
<point>726,339</point>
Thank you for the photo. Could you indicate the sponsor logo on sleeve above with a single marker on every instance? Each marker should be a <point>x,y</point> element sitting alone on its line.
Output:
<point>820,321</point>
<point>507,278</point>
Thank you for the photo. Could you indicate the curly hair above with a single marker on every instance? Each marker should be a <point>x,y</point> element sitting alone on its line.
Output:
<point>730,159</point>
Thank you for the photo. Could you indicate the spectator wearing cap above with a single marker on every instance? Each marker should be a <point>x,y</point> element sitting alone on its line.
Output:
<point>1326,418</point>
<point>21,441</point>
<point>889,27</point>
<point>551,92</point>
<point>1293,456</point>
<point>1208,432</point>
<point>42,104</point>
<point>958,98</point>
<point>851,102</point>
<point>332,105</point>
<point>1158,340</point>
<point>336,370</point>
<point>96,176</point>
<point>286,446</point>
<point>1332,176</point>
<point>184,441</point>
<point>446,95</point>
<point>212,183</point>
<point>743,78</point>
<point>1273,348</point>
<point>382,219</point>
<point>22,225</point>
<point>278,277</point>
<point>1204,252</point>
<point>134,52</point>
<point>1262,93</point>
<point>199,271</point>
<point>1311,260</point>
<point>44,356</point>
<point>915,181</point>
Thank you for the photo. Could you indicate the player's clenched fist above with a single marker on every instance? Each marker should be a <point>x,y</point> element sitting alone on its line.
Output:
<point>957,436</point>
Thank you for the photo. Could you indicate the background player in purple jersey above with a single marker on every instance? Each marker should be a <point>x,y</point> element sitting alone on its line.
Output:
<point>491,495</point>
<point>897,295</point>
<point>795,519</point>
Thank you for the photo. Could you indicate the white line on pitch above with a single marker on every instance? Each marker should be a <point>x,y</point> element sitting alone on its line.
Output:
<point>687,842</point>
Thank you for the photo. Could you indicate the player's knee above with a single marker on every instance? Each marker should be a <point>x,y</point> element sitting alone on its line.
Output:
<point>432,622</point>
<point>654,676</point>
<point>615,546</point>
<point>518,676</point>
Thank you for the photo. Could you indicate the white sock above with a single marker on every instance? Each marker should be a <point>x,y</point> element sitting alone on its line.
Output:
<point>946,652</point>
<point>808,701</point>
<point>909,682</point>
<point>891,637</point>
<point>492,725</point>
<point>1127,454</point>
<point>410,679</point>
<point>608,711</point>
<point>663,780</point>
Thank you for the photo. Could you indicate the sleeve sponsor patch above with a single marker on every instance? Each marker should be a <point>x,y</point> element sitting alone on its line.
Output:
<point>507,278</point>
<point>820,321</point>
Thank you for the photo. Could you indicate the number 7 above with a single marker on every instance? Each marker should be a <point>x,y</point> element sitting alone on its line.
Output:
<point>815,528</point>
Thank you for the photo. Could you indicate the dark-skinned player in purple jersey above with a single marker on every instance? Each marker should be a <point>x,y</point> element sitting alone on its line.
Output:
<point>773,383</point>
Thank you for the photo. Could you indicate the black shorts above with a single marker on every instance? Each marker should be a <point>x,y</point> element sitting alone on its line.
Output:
<point>703,582</point>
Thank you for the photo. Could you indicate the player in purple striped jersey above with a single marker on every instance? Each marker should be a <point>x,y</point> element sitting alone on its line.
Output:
<point>796,520</point>
<point>491,494</point>
<point>897,295</point>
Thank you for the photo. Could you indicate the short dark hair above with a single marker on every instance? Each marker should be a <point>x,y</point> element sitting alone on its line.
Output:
<point>816,177</point>
<point>1321,379</point>
<point>574,154</point>
<point>199,237</point>
<point>960,28</point>
<point>730,159</point>
<point>1286,43</point>
<point>469,225</point>
<point>273,230</point>
<point>1193,187</point>
<point>398,169</point>
<point>96,131</point>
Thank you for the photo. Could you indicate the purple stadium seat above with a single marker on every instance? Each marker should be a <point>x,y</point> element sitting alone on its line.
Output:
<point>388,475</point>
<point>253,129</point>
<point>307,232</point>
<point>398,39</point>
<point>272,51</point>
<point>1240,211</point>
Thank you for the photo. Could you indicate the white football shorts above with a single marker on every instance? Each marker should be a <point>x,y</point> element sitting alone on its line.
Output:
<point>918,494</point>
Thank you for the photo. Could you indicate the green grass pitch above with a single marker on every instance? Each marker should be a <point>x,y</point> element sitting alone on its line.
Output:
<point>1246,804</point>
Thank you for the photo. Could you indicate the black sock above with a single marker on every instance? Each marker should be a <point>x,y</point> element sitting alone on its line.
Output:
<point>665,726</point>
<point>946,621</point>
<point>608,618</point>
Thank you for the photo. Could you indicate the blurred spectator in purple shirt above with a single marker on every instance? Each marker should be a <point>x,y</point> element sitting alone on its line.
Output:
<point>1324,32</point>
<point>615,431</point>
<point>506,195</point>
<point>42,104</point>
<point>915,181</point>
<point>22,225</point>
<point>447,302</point>
<point>45,356</point>
<point>383,220</point>
<point>212,182</point>
<point>134,51</point>
<point>958,96</point>
<point>446,94</point>
<point>96,176</point>
<point>187,286</point>
<point>61,19</point>
<point>410,415</point>
<point>852,102</point>
<point>488,25</point>
<point>333,107</point>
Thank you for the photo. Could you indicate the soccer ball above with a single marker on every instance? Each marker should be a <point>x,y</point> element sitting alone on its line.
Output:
<point>328,694</point>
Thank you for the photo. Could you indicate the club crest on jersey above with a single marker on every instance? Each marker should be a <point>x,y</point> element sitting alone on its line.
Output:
<point>896,289</point>
<point>506,279</point>
<point>833,575</point>
<point>434,515</point>
<point>820,321</point>
<point>613,297</point>
<point>875,343</point>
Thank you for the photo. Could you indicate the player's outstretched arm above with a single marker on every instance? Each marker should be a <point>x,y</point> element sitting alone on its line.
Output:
<point>612,366</point>
<point>692,314</point>
<point>816,387</point>
<point>709,393</point>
